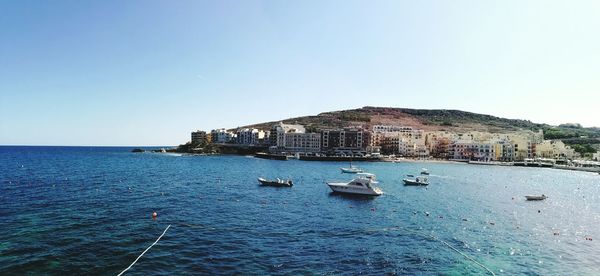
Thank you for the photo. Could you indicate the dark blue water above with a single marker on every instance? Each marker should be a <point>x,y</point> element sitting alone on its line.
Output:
<point>84,210</point>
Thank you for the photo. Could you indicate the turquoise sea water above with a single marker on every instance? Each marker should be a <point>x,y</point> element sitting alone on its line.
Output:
<point>83,210</point>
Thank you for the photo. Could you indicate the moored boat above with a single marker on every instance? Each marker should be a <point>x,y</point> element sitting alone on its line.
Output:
<point>275,183</point>
<point>263,155</point>
<point>416,181</point>
<point>351,169</point>
<point>424,171</point>
<point>363,184</point>
<point>536,197</point>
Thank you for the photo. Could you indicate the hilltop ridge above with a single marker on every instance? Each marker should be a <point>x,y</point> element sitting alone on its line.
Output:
<point>581,138</point>
<point>426,119</point>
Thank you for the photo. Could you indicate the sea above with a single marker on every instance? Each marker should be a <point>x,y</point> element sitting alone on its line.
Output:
<point>88,211</point>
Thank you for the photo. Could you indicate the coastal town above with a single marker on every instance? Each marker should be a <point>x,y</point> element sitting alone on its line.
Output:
<point>394,142</point>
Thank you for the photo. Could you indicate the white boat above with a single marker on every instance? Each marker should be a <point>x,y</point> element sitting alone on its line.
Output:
<point>416,181</point>
<point>536,197</point>
<point>351,169</point>
<point>275,183</point>
<point>361,185</point>
<point>424,171</point>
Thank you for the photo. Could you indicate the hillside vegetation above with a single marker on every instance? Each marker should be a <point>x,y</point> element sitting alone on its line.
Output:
<point>433,119</point>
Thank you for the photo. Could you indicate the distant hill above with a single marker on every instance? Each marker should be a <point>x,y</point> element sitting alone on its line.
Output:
<point>583,140</point>
<point>431,119</point>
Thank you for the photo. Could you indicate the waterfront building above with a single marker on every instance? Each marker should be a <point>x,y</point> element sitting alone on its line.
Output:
<point>555,149</point>
<point>277,135</point>
<point>439,147</point>
<point>381,134</point>
<point>222,136</point>
<point>297,142</point>
<point>478,151</point>
<point>348,141</point>
<point>388,142</point>
<point>508,151</point>
<point>249,136</point>
<point>524,147</point>
<point>199,137</point>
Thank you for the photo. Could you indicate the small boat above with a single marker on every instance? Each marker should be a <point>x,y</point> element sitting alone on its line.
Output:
<point>351,169</point>
<point>424,171</point>
<point>275,183</point>
<point>416,181</point>
<point>536,197</point>
<point>361,185</point>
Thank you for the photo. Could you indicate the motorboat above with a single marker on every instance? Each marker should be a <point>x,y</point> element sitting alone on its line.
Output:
<point>536,197</point>
<point>424,171</point>
<point>363,184</point>
<point>416,181</point>
<point>275,183</point>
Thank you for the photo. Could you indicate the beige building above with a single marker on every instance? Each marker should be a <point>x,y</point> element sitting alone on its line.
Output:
<point>199,137</point>
<point>554,149</point>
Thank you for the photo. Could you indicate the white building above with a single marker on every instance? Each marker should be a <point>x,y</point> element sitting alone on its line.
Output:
<point>249,136</point>
<point>302,142</point>
<point>480,151</point>
<point>221,136</point>
<point>278,132</point>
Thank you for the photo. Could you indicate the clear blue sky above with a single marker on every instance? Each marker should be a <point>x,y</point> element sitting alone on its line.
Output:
<point>149,72</point>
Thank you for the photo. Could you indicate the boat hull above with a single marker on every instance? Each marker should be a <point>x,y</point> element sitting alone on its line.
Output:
<point>264,182</point>
<point>345,170</point>
<point>535,198</point>
<point>345,189</point>
<point>408,182</point>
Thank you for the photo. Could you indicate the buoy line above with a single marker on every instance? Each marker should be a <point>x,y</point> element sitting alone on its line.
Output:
<point>397,228</point>
<point>465,255</point>
<point>446,244</point>
<point>145,251</point>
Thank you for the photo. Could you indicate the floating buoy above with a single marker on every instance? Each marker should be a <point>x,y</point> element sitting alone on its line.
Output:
<point>154,215</point>
<point>539,211</point>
